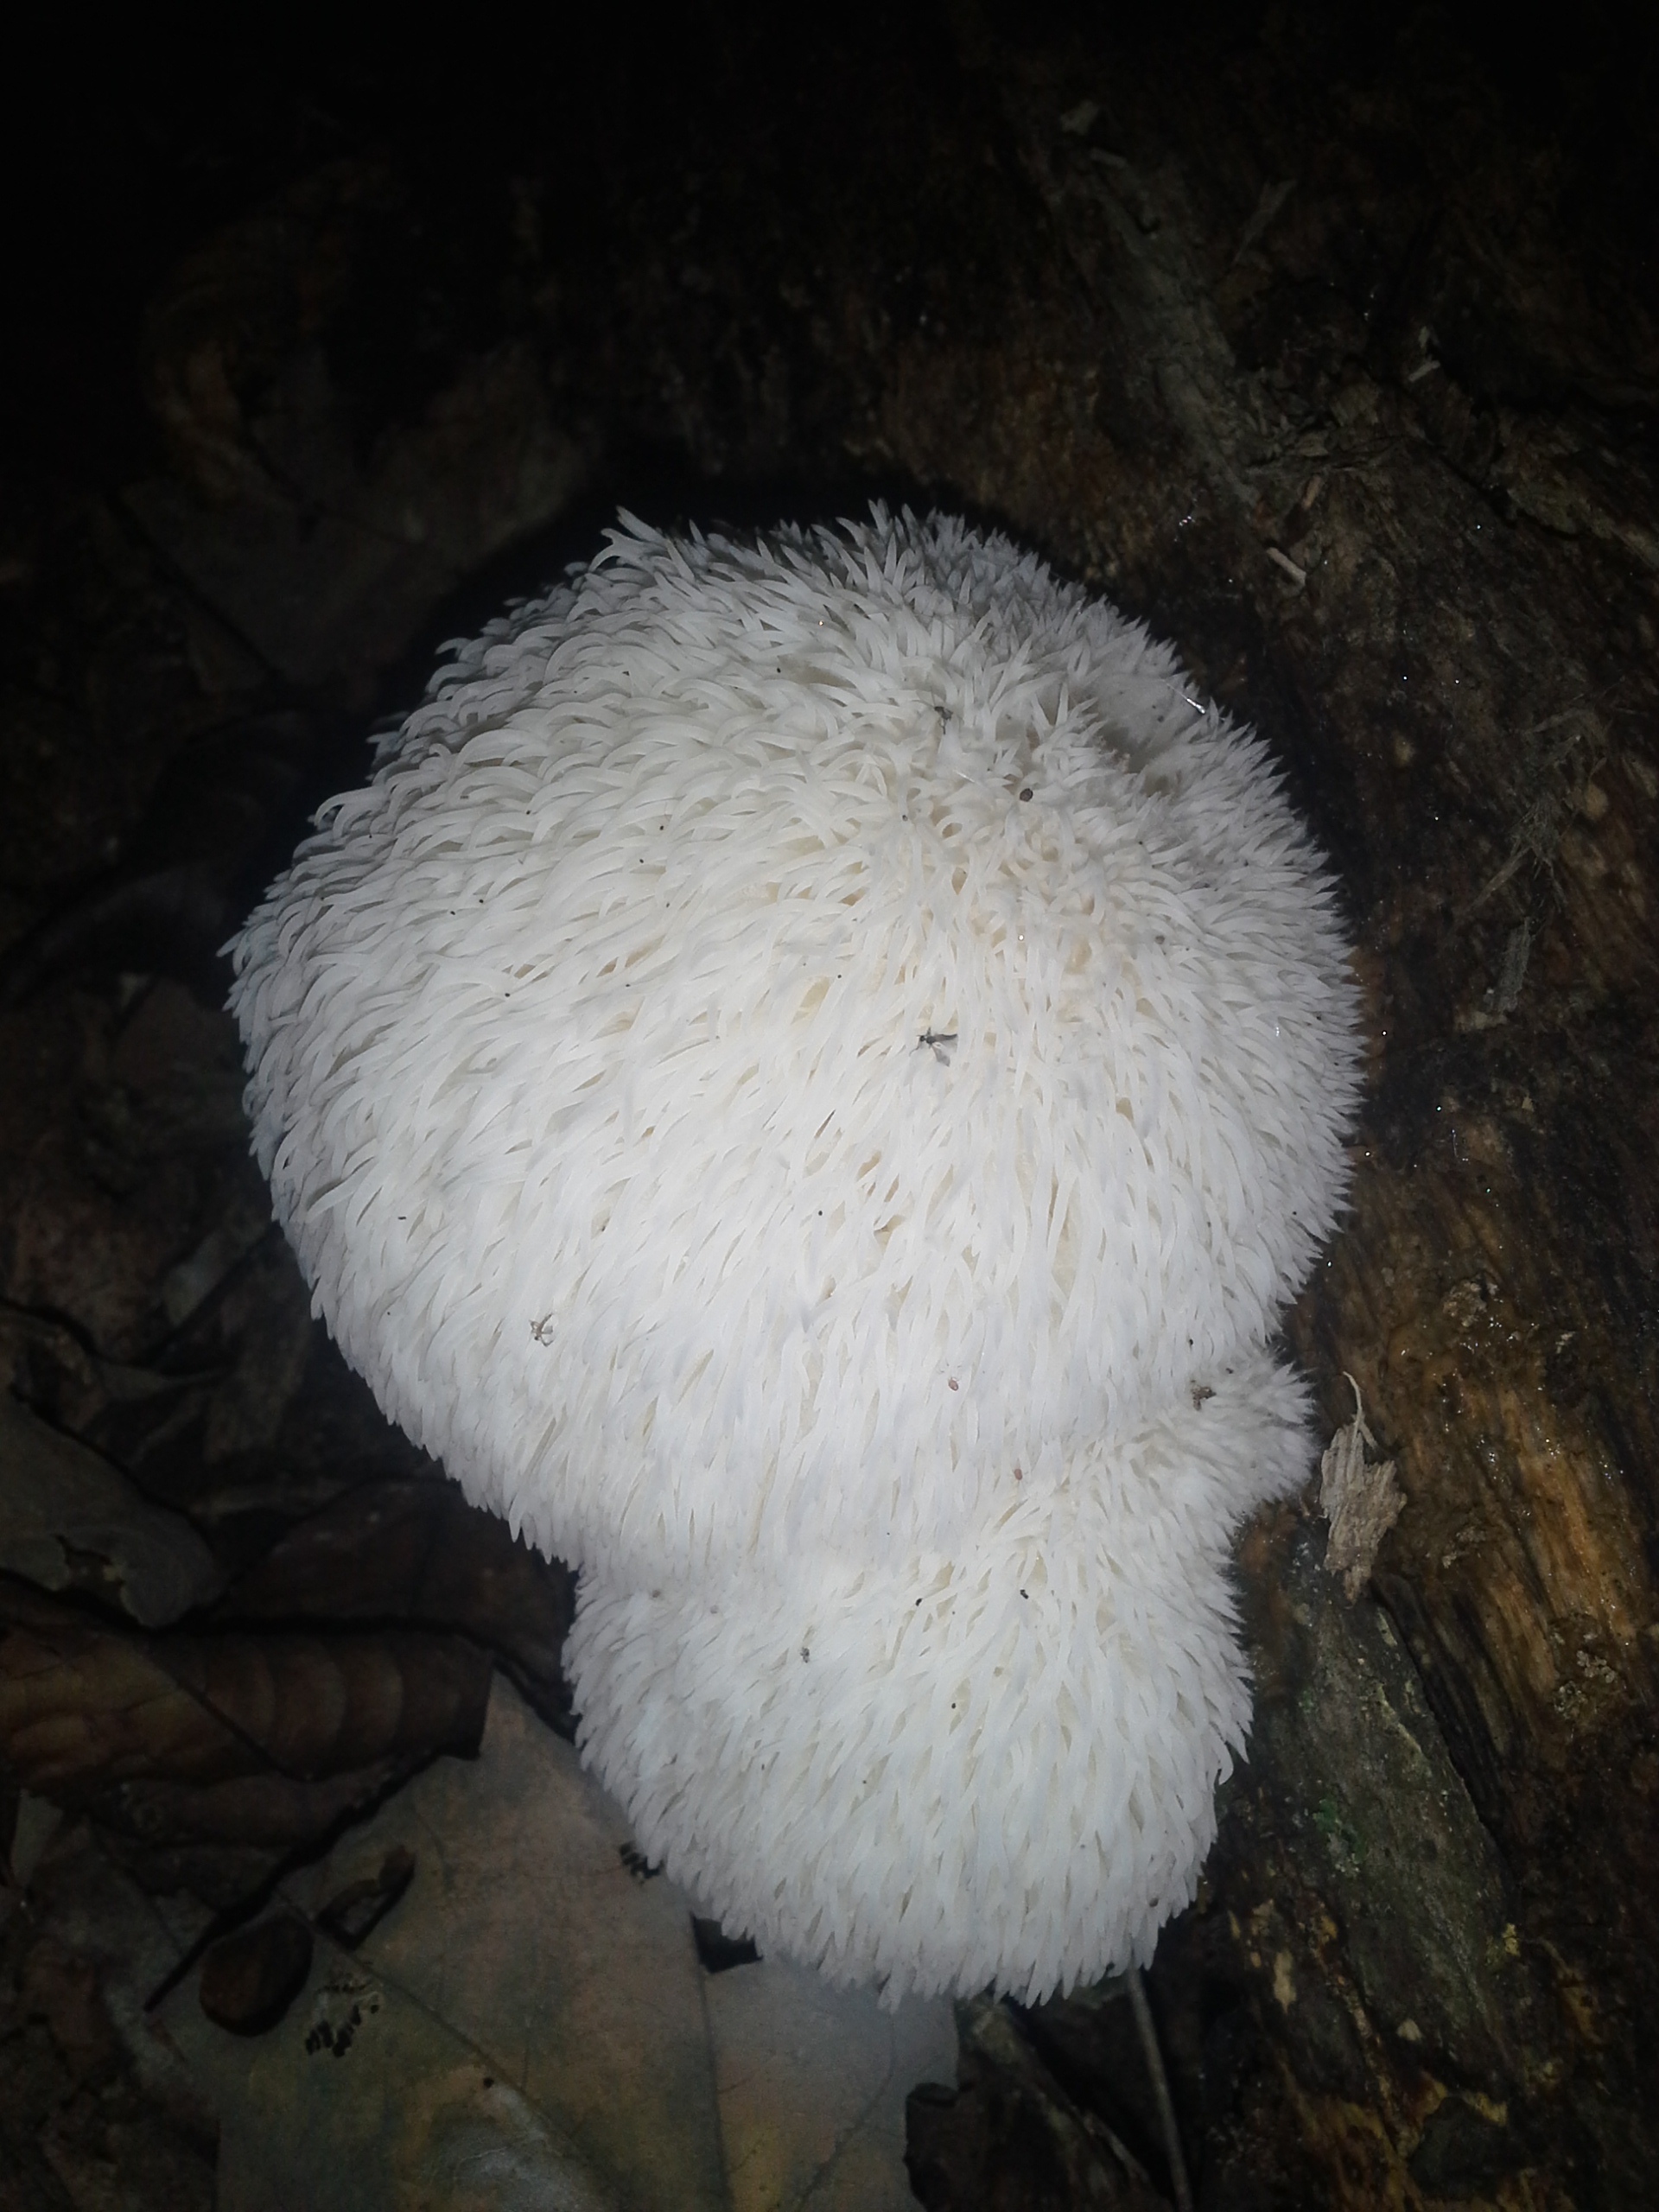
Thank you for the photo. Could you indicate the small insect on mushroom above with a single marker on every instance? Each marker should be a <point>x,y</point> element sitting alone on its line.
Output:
<point>663,1143</point>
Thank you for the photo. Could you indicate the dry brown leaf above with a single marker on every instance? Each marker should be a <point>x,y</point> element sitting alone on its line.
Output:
<point>247,1738</point>
<point>414,1550</point>
<point>71,1518</point>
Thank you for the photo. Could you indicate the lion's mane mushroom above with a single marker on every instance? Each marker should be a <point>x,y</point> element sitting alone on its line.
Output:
<point>806,1079</point>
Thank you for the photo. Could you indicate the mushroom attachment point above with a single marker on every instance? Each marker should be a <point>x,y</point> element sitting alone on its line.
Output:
<point>583,1063</point>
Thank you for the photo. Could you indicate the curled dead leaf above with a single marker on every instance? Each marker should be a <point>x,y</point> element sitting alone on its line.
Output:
<point>69,1518</point>
<point>1361,1500</point>
<point>414,1550</point>
<point>247,1737</point>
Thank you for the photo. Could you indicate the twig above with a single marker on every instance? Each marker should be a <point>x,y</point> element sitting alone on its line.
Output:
<point>1144,2022</point>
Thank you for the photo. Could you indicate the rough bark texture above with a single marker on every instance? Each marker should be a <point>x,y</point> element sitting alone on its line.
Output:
<point>1329,343</point>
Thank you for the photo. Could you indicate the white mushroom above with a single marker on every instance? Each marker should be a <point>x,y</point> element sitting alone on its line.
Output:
<point>806,1079</point>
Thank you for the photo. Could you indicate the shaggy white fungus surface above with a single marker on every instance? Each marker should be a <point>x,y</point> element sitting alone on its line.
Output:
<point>806,1079</point>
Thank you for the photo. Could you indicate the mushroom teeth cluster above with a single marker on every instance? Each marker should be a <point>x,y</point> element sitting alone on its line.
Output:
<point>806,1078</point>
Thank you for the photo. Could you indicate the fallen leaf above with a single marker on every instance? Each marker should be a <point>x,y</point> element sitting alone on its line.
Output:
<point>70,1518</point>
<point>414,1550</point>
<point>536,2013</point>
<point>242,1738</point>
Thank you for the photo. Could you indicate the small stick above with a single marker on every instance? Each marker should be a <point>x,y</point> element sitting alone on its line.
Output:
<point>1144,2022</point>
